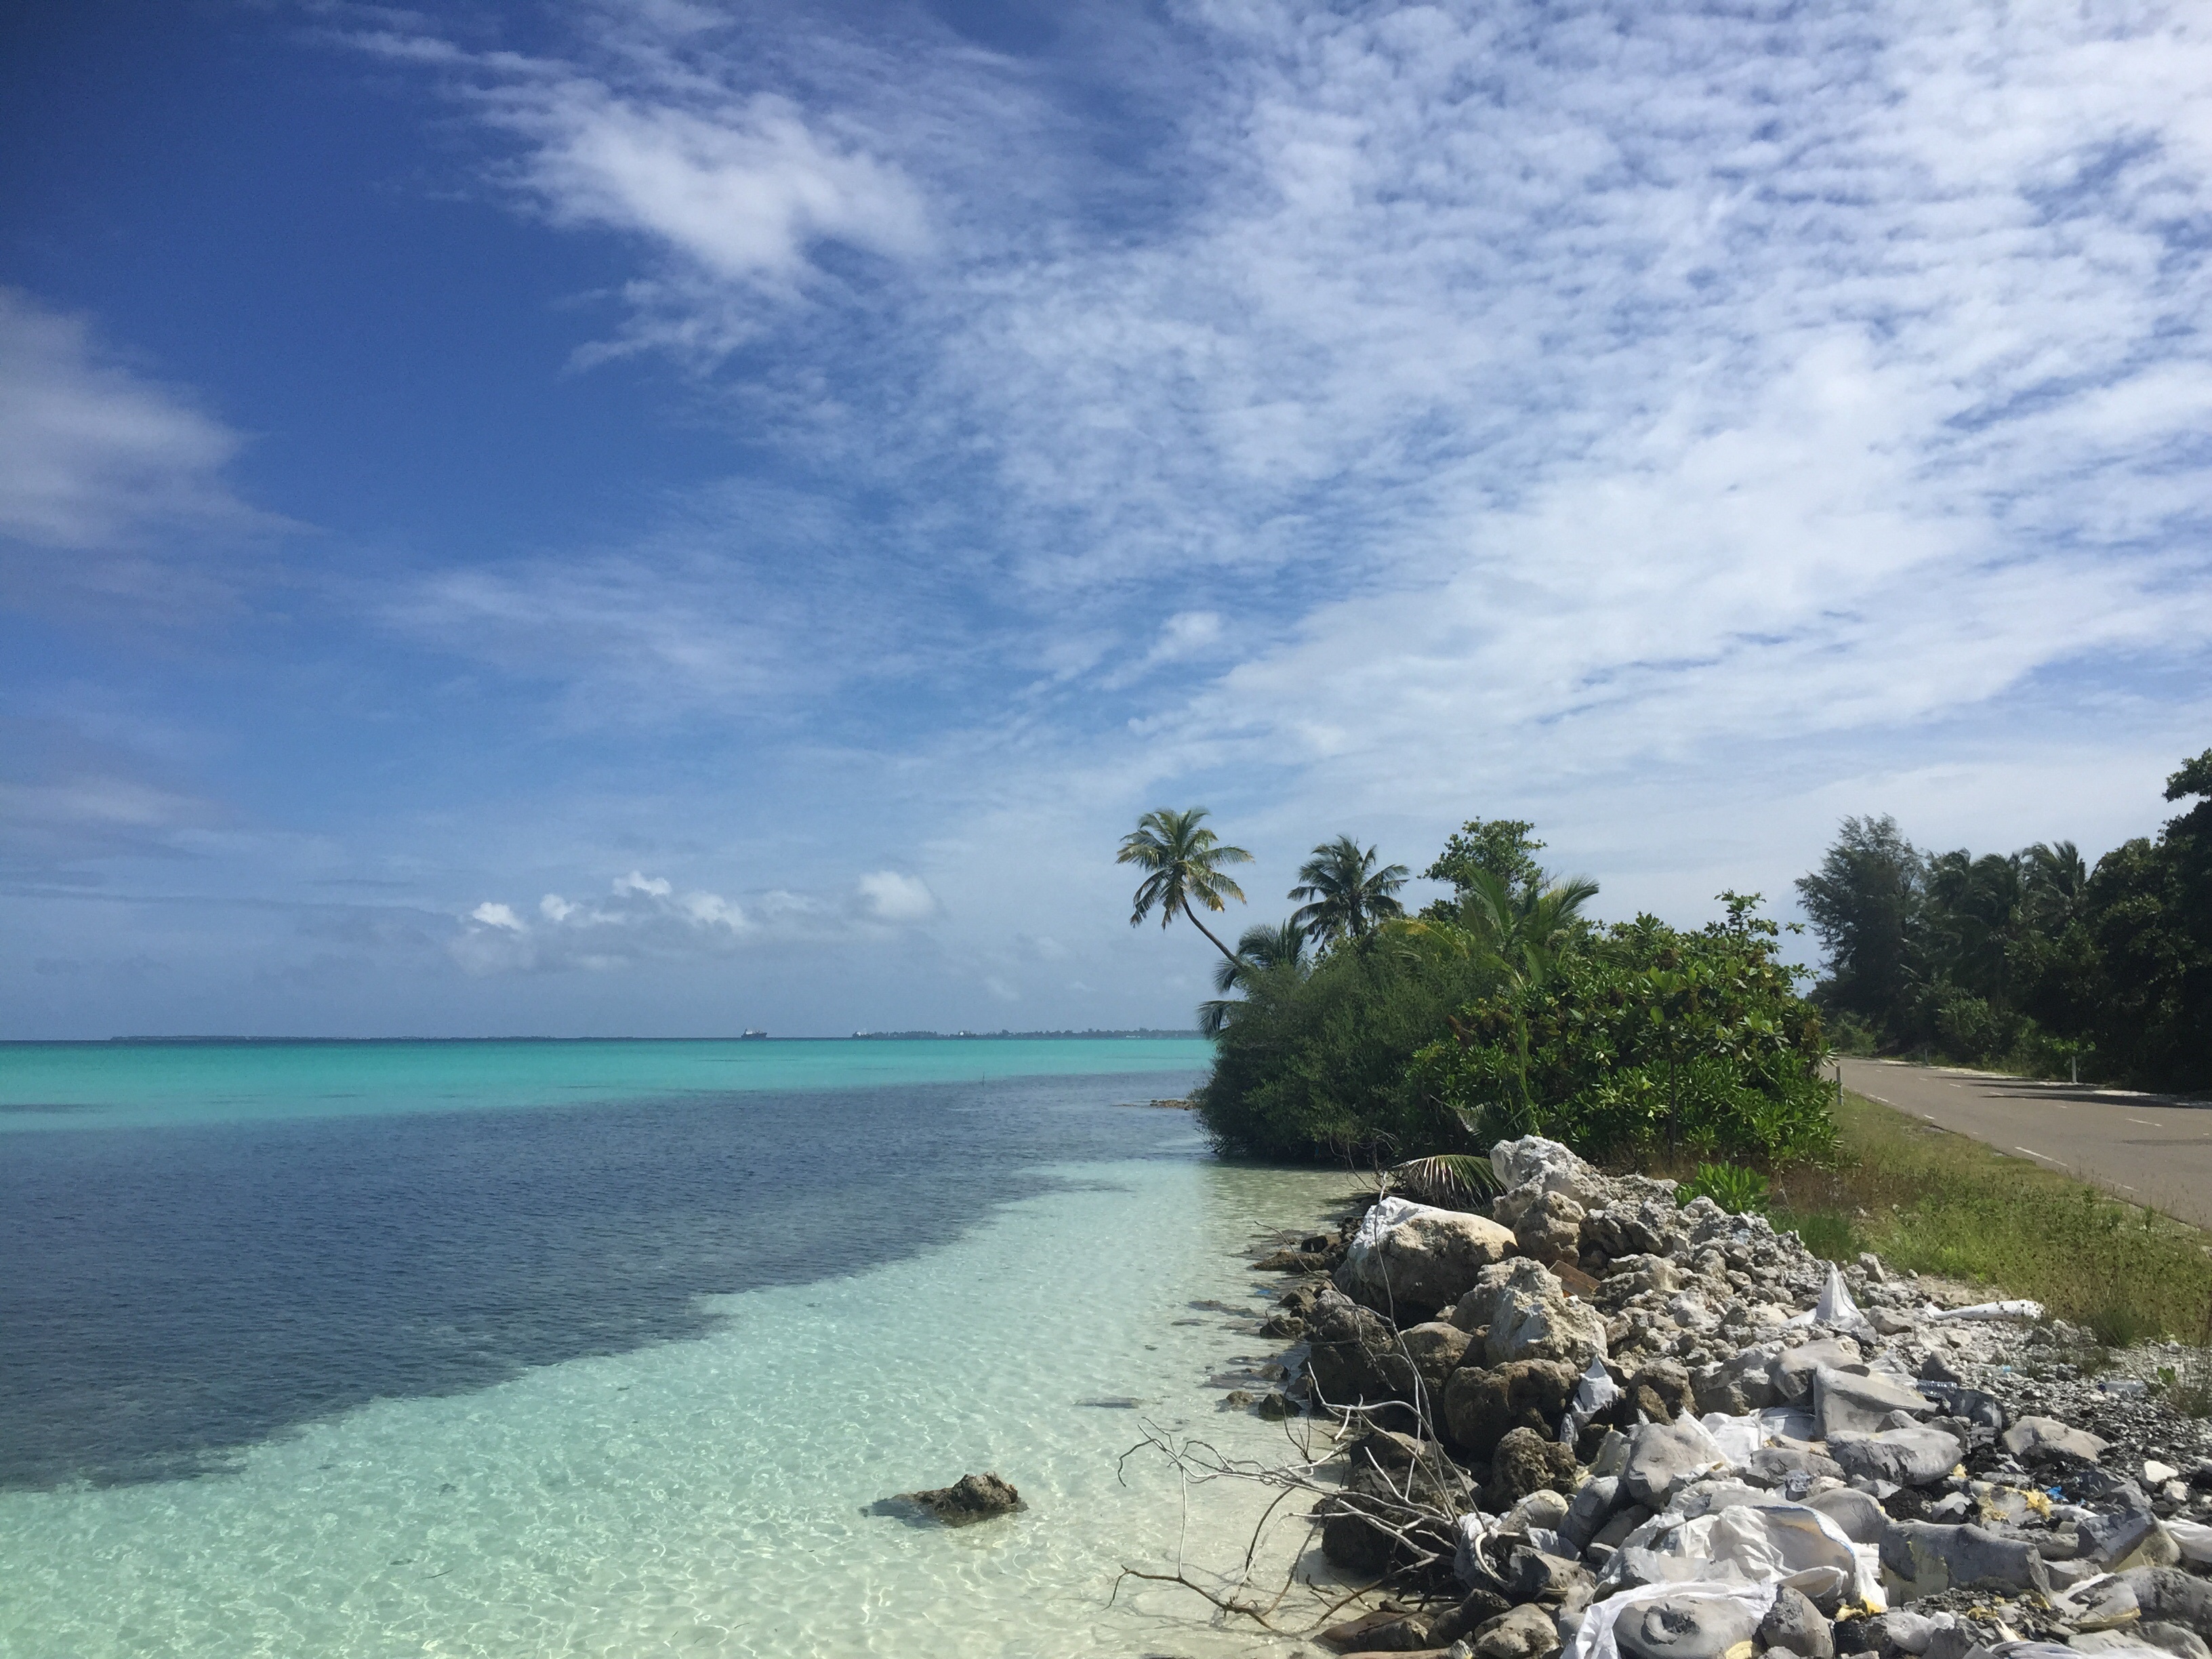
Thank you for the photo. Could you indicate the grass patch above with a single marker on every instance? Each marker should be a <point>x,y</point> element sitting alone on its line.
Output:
<point>1929,1201</point>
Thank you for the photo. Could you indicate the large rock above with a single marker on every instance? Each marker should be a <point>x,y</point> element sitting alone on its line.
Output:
<point>2130,1537</point>
<point>1648,1227</point>
<point>1737,1386</point>
<point>1437,1349</point>
<point>1545,1166</point>
<point>1846,1402</point>
<point>1863,1520</point>
<point>1501,1287</point>
<point>1783,1466</point>
<point>1595,1501</point>
<point>2170,1595</point>
<point>970,1499</point>
<point>1664,1458</point>
<point>1526,1632</point>
<point>1791,1370</point>
<point>1550,1228</point>
<point>1525,1462</point>
<point>1661,1390</point>
<point>1354,1354</point>
<point>1793,1625</point>
<point>1408,1257</point>
<point>2044,1439</point>
<point>1926,1559</point>
<point>1524,1312</point>
<point>1685,1627</point>
<point>1905,1457</point>
<point>1482,1407</point>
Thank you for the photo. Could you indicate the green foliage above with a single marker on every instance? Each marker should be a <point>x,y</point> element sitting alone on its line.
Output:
<point>1445,1179</point>
<point>1734,1188</point>
<point>1644,1038</point>
<point>1346,896</point>
<point>2029,960</point>
<point>1313,1063</point>
<point>1502,848</point>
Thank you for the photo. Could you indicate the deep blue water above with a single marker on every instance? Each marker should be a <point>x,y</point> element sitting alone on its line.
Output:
<point>170,1296</point>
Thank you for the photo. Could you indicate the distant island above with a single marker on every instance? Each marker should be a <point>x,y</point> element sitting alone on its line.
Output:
<point>994,1036</point>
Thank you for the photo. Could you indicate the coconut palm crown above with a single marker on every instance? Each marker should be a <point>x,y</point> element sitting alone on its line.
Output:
<point>1182,864</point>
<point>1347,895</point>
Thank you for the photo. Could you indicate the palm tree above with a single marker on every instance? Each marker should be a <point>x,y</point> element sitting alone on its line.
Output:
<point>1522,932</point>
<point>1182,865</point>
<point>1262,949</point>
<point>1347,895</point>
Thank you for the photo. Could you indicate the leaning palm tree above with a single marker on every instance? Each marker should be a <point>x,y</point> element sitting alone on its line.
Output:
<point>1345,894</point>
<point>1182,865</point>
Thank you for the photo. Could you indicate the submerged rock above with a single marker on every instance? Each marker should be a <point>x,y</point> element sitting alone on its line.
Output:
<point>970,1499</point>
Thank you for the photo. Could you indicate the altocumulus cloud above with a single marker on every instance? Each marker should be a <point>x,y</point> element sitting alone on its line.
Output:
<point>641,917</point>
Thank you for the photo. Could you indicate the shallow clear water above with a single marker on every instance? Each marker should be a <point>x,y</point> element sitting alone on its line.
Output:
<point>707,1495</point>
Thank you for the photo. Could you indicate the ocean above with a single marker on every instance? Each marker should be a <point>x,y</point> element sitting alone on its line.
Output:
<point>608,1348</point>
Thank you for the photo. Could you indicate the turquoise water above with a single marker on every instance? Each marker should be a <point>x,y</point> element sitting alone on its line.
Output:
<point>939,1277</point>
<point>85,1086</point>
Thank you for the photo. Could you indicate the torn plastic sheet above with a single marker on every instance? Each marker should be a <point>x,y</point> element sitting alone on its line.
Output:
<point>2195,1539</point>
<point>1593,1393</point>
<point>1594,1637</point>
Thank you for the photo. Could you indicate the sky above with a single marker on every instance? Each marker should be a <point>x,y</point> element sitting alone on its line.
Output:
<point>654,519</point>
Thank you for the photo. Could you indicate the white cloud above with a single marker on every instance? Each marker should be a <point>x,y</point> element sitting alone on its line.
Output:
<point>892,897</point>
<point>643,917</point>
<point>92,454</point>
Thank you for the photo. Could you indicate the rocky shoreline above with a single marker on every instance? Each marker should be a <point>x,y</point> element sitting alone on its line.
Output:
<point>1585,1419</point>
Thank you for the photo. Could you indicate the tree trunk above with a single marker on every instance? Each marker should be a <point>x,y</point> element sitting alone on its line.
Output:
<point>1209,932</point>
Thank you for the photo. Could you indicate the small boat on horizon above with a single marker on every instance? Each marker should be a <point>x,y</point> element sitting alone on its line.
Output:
<point>751,1035</point>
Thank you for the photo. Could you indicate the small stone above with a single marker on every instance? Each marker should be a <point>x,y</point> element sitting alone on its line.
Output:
<point>2156,1473</point>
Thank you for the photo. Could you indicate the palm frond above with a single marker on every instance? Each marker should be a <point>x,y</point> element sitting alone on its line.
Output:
<point>1446,1178</point>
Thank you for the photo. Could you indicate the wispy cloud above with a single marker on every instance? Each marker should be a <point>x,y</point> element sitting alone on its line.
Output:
<point>94,455</point>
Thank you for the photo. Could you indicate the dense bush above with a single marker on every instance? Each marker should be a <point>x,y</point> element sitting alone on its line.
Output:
<point>1313,1064</point>
<point>1645,1037</point>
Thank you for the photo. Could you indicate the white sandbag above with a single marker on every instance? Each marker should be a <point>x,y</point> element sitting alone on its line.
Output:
<point>1594,1637</point>
<point>1835,1306</point>
<point>1738,1438</point>
<point>2195,1539</point>
<point>1784,1543</point>
<point>2029,1311</point>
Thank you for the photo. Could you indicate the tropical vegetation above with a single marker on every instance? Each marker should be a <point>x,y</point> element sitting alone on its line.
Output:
<point>1353,1031</point>
<point>2032,960</point>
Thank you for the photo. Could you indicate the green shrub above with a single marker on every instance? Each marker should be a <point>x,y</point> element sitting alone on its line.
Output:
<point>1645,1038</point>
<point>1313,1065</point>
<point>1734,1188</point>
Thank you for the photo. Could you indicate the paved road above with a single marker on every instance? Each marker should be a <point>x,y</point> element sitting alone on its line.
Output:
<point>2146,1148</point>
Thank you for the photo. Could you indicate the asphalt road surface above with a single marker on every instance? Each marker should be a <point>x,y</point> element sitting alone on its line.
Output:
<point>2147,1148</point>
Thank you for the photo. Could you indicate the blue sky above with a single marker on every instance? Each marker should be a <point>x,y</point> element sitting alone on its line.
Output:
<point>657,518</point>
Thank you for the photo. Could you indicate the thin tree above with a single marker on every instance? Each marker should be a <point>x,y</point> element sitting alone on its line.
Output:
<point>1346,896</point>
<point>1182,865</point>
